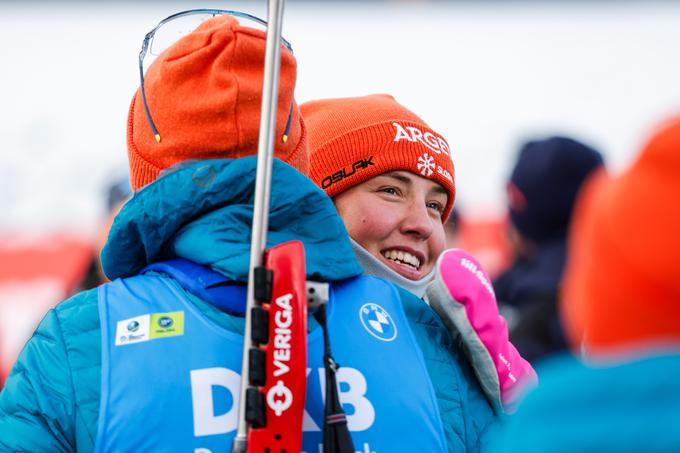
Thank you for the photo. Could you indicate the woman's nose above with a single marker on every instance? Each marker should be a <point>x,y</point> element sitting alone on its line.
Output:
<point>416,221</point>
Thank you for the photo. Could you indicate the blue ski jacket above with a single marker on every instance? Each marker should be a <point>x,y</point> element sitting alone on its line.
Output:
<point>627,406</point>
<point>202,212</point>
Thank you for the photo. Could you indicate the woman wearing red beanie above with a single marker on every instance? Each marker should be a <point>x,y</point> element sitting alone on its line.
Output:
<point>391,178</point>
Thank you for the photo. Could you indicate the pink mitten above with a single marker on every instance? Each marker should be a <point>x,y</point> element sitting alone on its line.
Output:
<point>462,295</point>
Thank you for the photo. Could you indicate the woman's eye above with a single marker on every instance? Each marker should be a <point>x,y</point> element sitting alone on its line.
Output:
<point>390,190</point>
<point>436,206</point>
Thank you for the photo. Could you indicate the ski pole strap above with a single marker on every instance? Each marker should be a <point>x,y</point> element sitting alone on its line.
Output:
<point>336,436</point>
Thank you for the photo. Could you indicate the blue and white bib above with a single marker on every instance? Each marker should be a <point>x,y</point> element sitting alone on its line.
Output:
<point>171,377</point>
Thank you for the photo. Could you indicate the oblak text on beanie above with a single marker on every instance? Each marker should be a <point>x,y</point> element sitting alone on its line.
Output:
<point>346,172</point>
<point>412,134</point>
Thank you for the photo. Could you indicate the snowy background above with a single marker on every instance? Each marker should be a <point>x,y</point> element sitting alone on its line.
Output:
<point>487,75</point>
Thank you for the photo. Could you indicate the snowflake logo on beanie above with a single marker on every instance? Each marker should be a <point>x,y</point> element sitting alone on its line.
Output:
<point>426,164</point>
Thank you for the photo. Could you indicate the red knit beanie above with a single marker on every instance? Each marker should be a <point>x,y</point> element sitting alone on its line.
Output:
<point>204,94</point>
<point>352,140</point>
<point>622,282</point>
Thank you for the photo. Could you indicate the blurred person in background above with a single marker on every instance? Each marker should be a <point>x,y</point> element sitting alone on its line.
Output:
<point>544,183</point>
<point>452,229</point>
<point>118,192</point>
<point>621,311</point>
<point>40,272</point>
<point>482,235</point>
<point>391,178</point>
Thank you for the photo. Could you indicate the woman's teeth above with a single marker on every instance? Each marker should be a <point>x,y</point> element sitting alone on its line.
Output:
<point>402,257</point>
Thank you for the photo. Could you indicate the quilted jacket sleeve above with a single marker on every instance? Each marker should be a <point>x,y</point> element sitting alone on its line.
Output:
<point>466,413</point>
<point>37,405</point>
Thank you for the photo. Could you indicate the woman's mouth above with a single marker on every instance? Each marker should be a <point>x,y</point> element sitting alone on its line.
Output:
<point>404,263</point>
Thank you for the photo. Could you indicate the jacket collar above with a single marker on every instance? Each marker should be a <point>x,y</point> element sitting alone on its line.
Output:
<point>203,212</point>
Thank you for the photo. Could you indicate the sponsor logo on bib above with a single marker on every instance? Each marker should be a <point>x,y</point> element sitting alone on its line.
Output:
<point>377,322</point>
<point>149,327</point>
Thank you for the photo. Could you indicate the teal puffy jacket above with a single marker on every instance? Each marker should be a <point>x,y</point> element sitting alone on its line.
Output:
<point>631,406</point>
<point>202,213</point>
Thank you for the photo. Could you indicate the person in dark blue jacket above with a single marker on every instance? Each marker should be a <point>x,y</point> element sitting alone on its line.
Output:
<point>103,372</point>
<point>543,185</point>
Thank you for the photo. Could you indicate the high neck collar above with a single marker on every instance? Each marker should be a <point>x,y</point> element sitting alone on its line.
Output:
<point>373,266</point>
<point>203,212</point>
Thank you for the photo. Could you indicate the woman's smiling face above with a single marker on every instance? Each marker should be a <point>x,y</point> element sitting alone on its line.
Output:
<point>397,217</point>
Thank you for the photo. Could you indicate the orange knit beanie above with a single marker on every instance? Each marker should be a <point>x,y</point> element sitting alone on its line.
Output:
<point>204,94</point>
<point>352,140</point>
<point>622,282</point>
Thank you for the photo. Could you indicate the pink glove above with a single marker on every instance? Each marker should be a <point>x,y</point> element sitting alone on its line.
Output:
<point>462,295</point>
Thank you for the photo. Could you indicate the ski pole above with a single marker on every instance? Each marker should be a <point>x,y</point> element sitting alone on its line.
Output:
<point>265,151</point>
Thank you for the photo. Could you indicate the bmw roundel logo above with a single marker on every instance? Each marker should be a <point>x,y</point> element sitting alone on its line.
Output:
<point>133,326</point>
<point>165,321</point>
<point>377,322</point>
